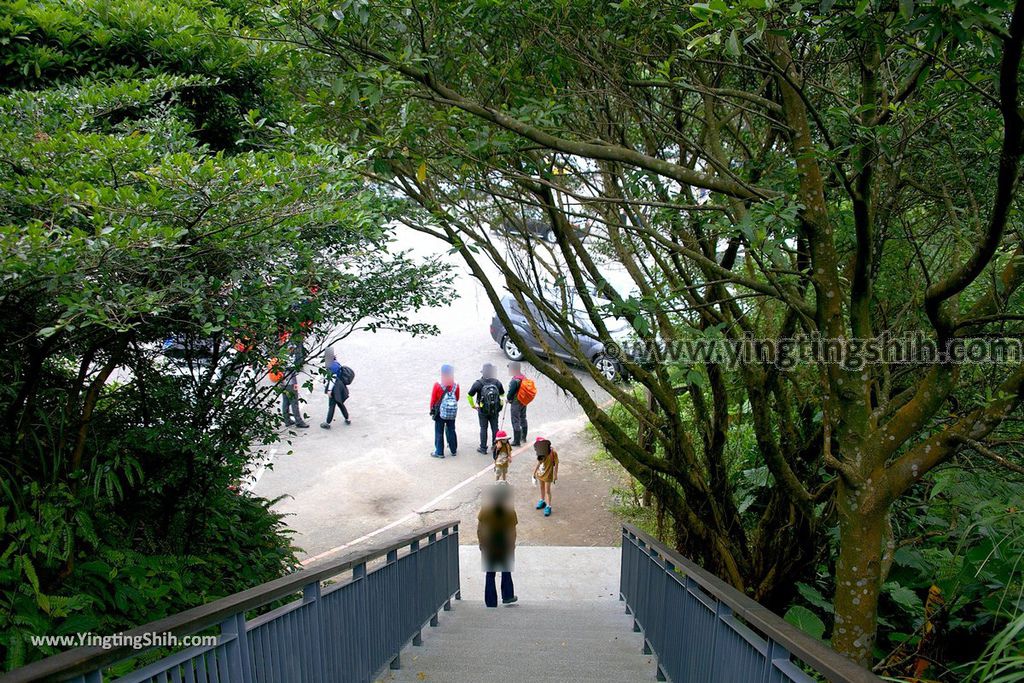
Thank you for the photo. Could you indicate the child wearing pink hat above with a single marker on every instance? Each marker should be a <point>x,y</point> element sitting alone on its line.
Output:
<point>502,455</point>
<point>546,472</point>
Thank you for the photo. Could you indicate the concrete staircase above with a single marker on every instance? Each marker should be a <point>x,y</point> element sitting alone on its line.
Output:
<point>568,626</point>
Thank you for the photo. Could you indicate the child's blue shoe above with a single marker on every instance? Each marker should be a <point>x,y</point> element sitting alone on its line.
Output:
<point>547,511</point>
<point>540,504</point>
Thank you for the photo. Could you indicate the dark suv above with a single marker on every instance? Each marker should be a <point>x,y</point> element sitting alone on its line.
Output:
<point>535,223</point>
<point>592,347</point>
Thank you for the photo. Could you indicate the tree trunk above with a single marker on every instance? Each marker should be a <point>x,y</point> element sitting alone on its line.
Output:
<point>862,530</point>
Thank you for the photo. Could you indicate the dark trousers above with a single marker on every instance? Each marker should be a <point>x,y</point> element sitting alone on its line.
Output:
<point>491,594</point>
<point>518,411</point>
<point>331,403</point>
<point>290,407</point>
<point>444,428</point>
<point>485,422</point>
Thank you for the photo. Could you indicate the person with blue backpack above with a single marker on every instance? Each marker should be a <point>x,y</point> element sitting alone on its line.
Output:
<point>337,391</point>
<point>444,406</point>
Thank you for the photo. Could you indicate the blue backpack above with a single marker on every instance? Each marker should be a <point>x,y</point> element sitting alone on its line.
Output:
<point>448,406</point>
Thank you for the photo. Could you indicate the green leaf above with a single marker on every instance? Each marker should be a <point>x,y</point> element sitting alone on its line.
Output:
<point>732,44</point>
<point>806,620</point>
<point>811,595</point>
<point>904,597</point>
<point>30,573</point>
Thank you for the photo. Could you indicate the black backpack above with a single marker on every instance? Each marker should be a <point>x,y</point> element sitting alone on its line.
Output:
<point>490,398</point>
<point>346,374</point>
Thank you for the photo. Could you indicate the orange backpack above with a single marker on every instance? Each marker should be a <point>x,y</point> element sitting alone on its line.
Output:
<point>274,371</point>
<point>527,391</point>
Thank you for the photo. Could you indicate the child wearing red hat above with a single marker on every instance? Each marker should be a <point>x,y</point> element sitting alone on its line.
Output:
<point>502,455</point>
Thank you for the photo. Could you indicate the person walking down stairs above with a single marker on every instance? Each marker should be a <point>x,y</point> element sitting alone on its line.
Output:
<point>496,533</point>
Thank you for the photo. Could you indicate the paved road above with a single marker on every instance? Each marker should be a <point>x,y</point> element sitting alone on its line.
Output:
<point>352,480</point>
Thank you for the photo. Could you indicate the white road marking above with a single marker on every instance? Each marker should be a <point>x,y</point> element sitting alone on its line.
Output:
<point>249,486</point>
<point>426,507</point>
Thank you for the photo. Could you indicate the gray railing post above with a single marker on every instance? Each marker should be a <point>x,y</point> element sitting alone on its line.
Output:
<point>311,597</point>
<point>239,661</point>
<point>414,550</point>
<point>628,548</point>
<point>432,539</point>
<point>448,602</point>
<point>656,597</point>
<point>622,563</point>
<point>458,571</point>
<point>722,612</point>
<point>363,608</point>
<point>775,653</point>
<point>395,620</point>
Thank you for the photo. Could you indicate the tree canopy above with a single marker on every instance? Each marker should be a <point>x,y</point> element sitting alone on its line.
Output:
<point>721,186</point>
<point>760,171</point>
<point>160,244</point>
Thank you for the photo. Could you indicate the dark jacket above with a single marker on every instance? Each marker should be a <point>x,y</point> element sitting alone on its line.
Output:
<point>513,388</point>
<point>339,390</point>
<point>479,385</point>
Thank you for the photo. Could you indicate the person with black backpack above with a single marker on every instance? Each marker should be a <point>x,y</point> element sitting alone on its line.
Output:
<point>337,391</point>
<point>485,398</point>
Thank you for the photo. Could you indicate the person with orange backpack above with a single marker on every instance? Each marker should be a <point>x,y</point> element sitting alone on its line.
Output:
<point>287,379</point>
<point>521,390</point>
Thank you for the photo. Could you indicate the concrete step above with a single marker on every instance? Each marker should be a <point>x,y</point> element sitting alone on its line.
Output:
<point>556,573</point>
<point>530,642</point>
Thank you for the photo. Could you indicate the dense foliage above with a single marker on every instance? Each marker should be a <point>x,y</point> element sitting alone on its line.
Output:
<point>148,279</point>
<point>44,43</point>
<point>741,170</point>
<point>748,170</point>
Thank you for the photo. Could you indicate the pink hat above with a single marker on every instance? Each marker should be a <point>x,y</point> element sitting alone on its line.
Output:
<point>501,435</point>
<point>541,438</point>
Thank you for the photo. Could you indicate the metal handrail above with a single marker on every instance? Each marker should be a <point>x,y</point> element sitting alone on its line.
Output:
<point>777,632</point>
<point>84,663</point>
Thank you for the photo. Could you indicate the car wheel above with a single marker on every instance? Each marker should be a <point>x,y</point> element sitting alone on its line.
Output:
<point>607,367</point>
<point>550,236</point>
<point>511,350</point>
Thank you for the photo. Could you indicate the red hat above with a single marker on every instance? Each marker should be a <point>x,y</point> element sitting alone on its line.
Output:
<point>541,438</point>
<point>501,435</point>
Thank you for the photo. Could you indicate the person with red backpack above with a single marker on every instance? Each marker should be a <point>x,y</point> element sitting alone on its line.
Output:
<point>521,390</point>
<point>444,406</point>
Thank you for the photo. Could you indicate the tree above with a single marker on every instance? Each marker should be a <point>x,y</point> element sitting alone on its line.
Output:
<point>148,281</point>
<point>760,171</point>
